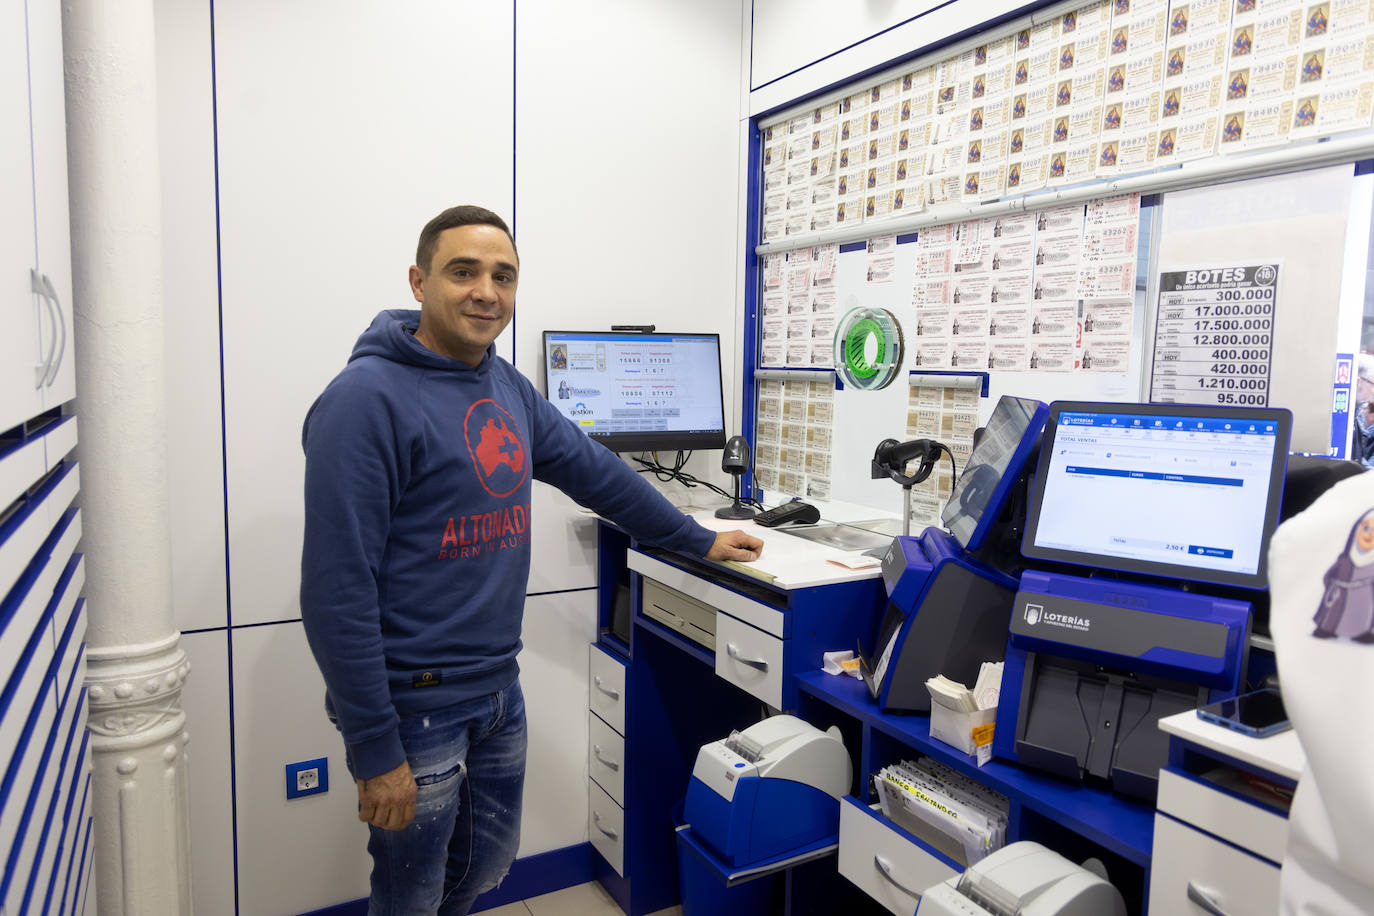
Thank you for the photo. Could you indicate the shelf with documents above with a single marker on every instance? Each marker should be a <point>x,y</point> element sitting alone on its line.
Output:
<point>1076,820</point>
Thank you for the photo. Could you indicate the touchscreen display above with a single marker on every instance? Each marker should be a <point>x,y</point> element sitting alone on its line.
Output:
<point>1172,490</point>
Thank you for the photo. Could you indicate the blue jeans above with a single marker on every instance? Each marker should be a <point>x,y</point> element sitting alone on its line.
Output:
<point>469,765</point>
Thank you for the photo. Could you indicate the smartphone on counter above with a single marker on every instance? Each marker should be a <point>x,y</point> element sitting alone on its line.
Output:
<point>1258,714</point>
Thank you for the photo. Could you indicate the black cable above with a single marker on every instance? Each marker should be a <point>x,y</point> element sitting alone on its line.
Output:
<point>954,472</point>
<point>667,474</point>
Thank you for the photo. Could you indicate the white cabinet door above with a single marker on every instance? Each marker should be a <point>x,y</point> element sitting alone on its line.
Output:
<point>48,101</point>
<point>19,346</point>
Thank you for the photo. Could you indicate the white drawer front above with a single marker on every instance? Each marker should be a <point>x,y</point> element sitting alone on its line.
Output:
<point>1235,882</point>
<point>716,596</point>
<point>606,689</point>
<point>868,846</point>
<point>606,824</point>
<point>606,759</point>
<point>1247,825</point>
<point>750,659</point>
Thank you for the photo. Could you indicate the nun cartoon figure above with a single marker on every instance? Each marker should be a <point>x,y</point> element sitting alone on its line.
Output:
<point>1347,607</point>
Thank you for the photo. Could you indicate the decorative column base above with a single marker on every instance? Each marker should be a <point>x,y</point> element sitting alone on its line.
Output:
<point>140,779</point>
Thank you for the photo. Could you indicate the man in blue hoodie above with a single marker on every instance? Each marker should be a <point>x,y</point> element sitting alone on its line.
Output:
<point>419,461</point>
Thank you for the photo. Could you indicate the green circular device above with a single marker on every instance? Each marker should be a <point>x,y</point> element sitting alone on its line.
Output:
<point>868,348</point>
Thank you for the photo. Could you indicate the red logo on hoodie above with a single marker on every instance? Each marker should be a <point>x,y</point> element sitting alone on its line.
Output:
<point>497,449</point>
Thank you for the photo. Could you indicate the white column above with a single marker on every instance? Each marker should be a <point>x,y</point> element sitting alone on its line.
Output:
<point>136,669</point>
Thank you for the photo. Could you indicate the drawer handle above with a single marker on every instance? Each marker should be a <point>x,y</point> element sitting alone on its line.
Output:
<point>1204,900</point>
<point>613,834</point>
<point>886,871</point>
<point>733,651</point>
<point>613,694</point>
<point>610,764</point>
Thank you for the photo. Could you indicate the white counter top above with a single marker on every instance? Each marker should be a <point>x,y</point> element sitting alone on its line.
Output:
<point>1281,754</point>
<point>788,561</point>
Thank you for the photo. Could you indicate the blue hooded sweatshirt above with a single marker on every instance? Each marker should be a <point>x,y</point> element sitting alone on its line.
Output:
<point>417,527</point>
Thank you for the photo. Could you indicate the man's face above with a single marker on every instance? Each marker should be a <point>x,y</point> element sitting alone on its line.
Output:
<point>467,292</point>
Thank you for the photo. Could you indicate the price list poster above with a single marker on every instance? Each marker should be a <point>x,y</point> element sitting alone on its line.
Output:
<point>1214,334</point>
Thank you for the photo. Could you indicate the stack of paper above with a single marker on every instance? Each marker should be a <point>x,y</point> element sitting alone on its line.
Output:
<point>953,813</point>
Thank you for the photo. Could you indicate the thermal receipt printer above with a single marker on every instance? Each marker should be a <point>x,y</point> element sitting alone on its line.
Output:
<point>771,788</point>
<point>1025,879</point>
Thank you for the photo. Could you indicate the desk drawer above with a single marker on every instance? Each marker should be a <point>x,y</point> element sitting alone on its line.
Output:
<point>606,759</point>
<point>606,825</point>
<point>868,845</point>
<point>683,613</point>
<point>708,593</point>
<point>1235,883</point>
<point>606,688</point>
<point>750,659</point>
<point>1247,824</point>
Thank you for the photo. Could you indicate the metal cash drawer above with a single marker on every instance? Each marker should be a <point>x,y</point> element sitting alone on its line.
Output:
<point>679,612</point>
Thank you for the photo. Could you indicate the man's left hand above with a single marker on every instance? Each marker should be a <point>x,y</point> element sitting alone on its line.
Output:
<point>735,545</point>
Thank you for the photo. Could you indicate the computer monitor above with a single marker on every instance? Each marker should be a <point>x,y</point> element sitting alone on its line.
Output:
<point>993,469</point>
<point>1167,490</point>
<point>638,392</point>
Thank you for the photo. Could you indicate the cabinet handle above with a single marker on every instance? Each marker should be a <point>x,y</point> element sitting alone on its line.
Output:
<point>610,764</point>
<point>613,694</point>
<point>1204,900</point>
<point>61,324</point>
<point>36,285</point>
<point>733,651</point>
<point>613,834</point>
<point>886,871</point>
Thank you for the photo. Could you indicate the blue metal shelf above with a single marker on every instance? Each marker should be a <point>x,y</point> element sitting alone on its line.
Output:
<point>1115,823</point>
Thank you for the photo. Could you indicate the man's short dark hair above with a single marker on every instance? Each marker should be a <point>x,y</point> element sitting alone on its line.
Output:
<point>452,218</point>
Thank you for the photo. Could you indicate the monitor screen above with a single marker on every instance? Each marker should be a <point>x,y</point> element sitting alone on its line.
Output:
<point>638,392</point>
<point>997,460</point>
<point>1171,490</point>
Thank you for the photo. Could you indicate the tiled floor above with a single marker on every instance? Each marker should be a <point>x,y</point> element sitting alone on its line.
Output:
<point>583,900</point>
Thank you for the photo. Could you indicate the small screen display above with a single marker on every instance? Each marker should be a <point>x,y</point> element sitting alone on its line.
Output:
<point>1169,490</point>
<point>638,392</point>
<point>996,462</point>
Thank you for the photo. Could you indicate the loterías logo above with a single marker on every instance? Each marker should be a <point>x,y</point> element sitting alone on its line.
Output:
<point>497,449</point>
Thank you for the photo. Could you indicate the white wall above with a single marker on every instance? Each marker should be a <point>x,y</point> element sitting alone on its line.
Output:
<point>342,128</point>
<point>801,47</point>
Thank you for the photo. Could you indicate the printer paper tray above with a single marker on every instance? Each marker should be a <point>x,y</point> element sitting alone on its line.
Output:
<point>730,875</point>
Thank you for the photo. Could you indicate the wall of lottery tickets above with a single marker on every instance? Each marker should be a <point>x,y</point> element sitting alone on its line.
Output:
<point>1105,89</point>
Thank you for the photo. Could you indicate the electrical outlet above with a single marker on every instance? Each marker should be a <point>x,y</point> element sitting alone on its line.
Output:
<point>308,777</point>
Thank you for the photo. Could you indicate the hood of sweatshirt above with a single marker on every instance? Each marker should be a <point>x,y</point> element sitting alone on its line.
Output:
<point>392,336</point>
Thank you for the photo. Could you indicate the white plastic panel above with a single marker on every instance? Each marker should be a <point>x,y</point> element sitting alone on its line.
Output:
<point>47,90</point>
<point>205,698</point>
<point>340,136</point>
<point>190,269</point>
<point>750,659</point>
<point>1232,880</point>
<point>676,250</point>
<point>19,307</point>
<point>606,827</point>
<point>1244,823</point>
<point>606,759</point>
<point>557,629</point>
<point>801,48</point>
<point>606,688</point>
<point>58,441</point>
<point>279,719</point>
<point>18,470</point>
<point>865,840</point>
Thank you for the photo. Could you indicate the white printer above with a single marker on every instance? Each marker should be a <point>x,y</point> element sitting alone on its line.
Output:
<point>771,788</point>
<point>1025,879</point>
